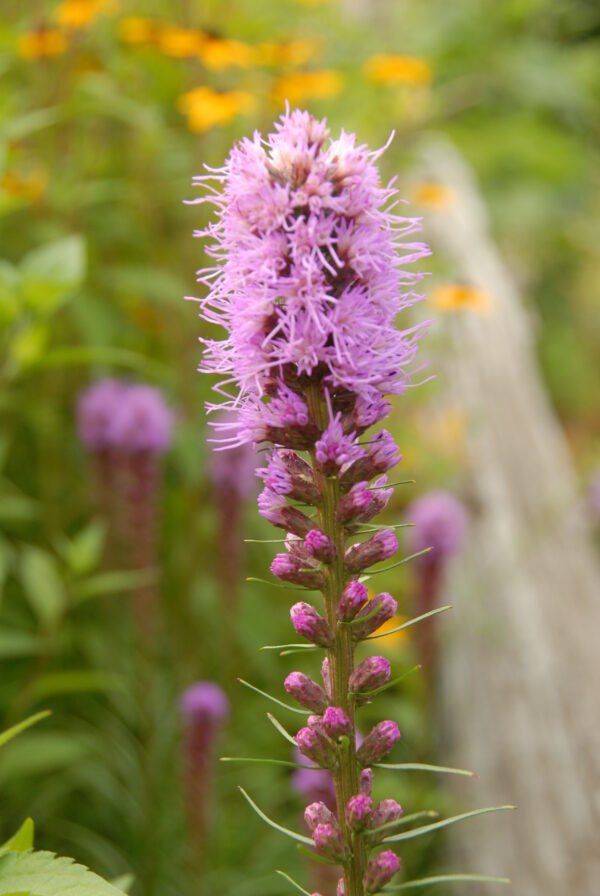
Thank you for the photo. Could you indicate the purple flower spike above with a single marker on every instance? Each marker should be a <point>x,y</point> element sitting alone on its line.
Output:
<point>381,870</point>
<point>366,781</point>
<point>329,843</point>
<point>317,747</point>
<point>96,409</point>
<point>371,674</point>
<point>335,451</point>
<point>358,812</point>
<point>273,507</point>
<point>143,421</point>
<point>318,813</point>
<point>204,703</point>
<point>320,546</point>
<point>440,522</point>
<point>354,596</point>
<point>378,742</point>
<point>306,691</point>
<point>287,474</point>
<point>386,812</point>
<point>337,723</point>
<point>381,455</point>
<point>381,608</point>
<point>381,546</point>
<point>297,571</point>
<point>308,623</point>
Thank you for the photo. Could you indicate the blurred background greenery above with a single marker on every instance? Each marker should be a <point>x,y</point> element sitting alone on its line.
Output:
<point>107,109</point>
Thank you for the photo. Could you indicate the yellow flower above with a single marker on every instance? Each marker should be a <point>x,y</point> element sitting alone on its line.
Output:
<point>393,70</point>
<point>181,43</point>
<point>42,43</point>
<point>396,638</point>
<point>30,185</point>
<point>434,196</point>
<point>218,54</point>
<point>135,30</point>
<point>205,108</point>
<point>461,297</point>
<point>302,86</point>
<point>79,13</point>
<point>294,52</point>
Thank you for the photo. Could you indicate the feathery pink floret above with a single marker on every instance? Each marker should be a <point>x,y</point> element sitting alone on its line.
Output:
<point>309,269</point>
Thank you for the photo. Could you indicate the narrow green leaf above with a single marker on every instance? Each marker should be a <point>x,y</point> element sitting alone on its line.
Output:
<point>293,882</point>
<point>280,728</point>
<point>302,712</point>
<point>296,650</point>
<point>392,683</point>
<point>410,622</point>
<point>446,822</point>
<point>273,824</point>
<point>264,760</point>
<point>21,840</point>
<point>375,488</point>
<point>283,646</point>
<point>406,819</point>
<point>314,856</point>
<point>410,557</point>
<point>279,584</point>
<point>447,879</point>
<point>424,767</point>
<point>5,736</point>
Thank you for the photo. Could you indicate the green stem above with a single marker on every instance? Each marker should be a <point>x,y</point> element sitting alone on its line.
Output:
<point>341,655</point>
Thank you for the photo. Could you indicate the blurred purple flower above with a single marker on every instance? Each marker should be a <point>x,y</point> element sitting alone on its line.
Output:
<point>440,522</point>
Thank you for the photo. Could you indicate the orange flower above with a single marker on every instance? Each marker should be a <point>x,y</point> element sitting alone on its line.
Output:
<point>434,196</point>
<point>302,86</point>
<point>30,185</point>
<point>461,297</point>
<point>136,30</point>
<point>206,108</point>
<point>294,52</point>
<point>396,638</point>
<point>42,44</point>
<point>181,43</point>
<point>218,54</point>
<point>393,70</point>
<point>80,13</point>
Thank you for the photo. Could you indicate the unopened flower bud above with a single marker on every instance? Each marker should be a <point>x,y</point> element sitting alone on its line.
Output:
<point>308,623</point>
<point>363,502</point>
<point>275,509</point>
<point>381,454</point>
<point>317,747</point>
<point>287,474</point>
<point>386,812</point>
<point>320,546</point>
<point>366,781</point>
<point>378,742</point>
<point>295,570</point>
<point>381,870</point>
<point>306,691</point>
<point>371,674</point>
<point>337,723</point>
<point>354,596</point>
<point>326,677</point>
<point>329,843</point>
<point>381,546</point>
<point>358,812</point>
<point>318,813</point>
<point>381,608</point>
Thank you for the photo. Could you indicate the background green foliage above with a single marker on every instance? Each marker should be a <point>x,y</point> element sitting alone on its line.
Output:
<point>97,252</point>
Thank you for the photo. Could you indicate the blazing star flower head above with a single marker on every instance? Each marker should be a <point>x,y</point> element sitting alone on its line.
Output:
<point>336,450</point>
<point>440,522</point>
<point>96,409</point>
<point>142,421</point>
<point>309,273</point>
<point>204,703</point>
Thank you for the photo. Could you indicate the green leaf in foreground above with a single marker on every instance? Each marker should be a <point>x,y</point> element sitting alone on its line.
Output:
<point>444,823</point>
<point>425,767</point>
<point>21,840</point>
<point>272,824</point>
<point>293,882</point>
<point>302,712</point>
<point>45,874</point>
<point>447,879</point>
<point>5,736</point>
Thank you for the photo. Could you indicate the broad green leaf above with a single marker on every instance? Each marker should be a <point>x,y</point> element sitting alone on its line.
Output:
<point>14,643</point>
<point>9,293</point>
<point>446,822</point>
<point>41,753</point>
<point>302,712</point>
<point>21,840</point>
<point>71,681</point>
<point>113,583</point>
<point>45,874</point>
<point>82,553</point>
<point>447,879</point>
<point>25,125</point>
<point>51,272</point>
<point>299,837</point>
<point>424,767</point>
<point>124,882</point>
<point>7,735</point>
<point>28,345</point>
<point>42,584</point>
